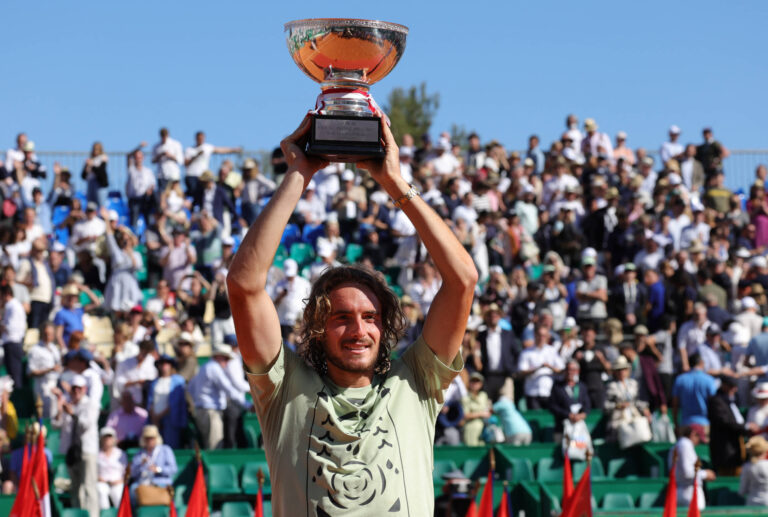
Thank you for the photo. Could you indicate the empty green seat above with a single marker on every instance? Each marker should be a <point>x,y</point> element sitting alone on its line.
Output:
<point>153,511</point>
<point>547,471</point>
<point>649,500</point>
<point>302,253</point>
<point>616,501</point>
<point>578,468</point>
<point>441,467</point>
<point>252,436</point>
<point>726,497</point>
<point>74,512</point>
<point>236,509</point>
<point>250,481</point>
<point>222,479</point>
<point>622,468</point>
<point>61,471</point>
<point>108,512</point>
<point>353,252</point>
<point>470,467</point>
<point>521,470</point>
<point>52,441</point>
<point>179,495</point>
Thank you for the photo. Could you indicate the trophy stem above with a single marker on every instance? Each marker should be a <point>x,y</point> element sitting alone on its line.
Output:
<point>346,98</point>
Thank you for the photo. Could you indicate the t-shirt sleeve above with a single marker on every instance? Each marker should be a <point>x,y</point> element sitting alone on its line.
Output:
<point>265,386</point>
<point>431,375</point>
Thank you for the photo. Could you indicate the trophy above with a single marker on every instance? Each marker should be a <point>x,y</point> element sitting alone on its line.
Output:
<point>346,56</point>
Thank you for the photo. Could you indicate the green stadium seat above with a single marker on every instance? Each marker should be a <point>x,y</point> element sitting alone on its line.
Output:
<point>74,512</point>
<point>578,468</point>
<point>179,494</point>
<point>623,468</point>
<point>726,497</point>
<point>61,471</point>
<point>302,253</point>
<point>280,255</point>
<point>252,437</point>
<point>250,479</point>
<point>153,511</point>
<point>267,508</point>
<point>649,500</point>
<point>353,252</point>
<point>547,471</point>
<point>236,509</point>
<point>52,441</point>
<point>470,467</point>
<point>108,512</point>
<point>222,479</point>
<point>441,467</point>
<point>616,501</point>
<point>521,470</point>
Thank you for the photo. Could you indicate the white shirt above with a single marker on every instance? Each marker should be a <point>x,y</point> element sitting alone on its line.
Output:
<point>691,336</point>
<point>669,150</point>
<point>493,349</point>
<point>43,291</point>
<point>590,144</point>
<point>290,308</point>
<point>131,370</point>
<point>139,181</point>
<point>14,322</point>
<point>95,227</point>
<point>468,213</point>
<point>539,383</point>
<point>168,168</point>
<point>161,393</point>
<point>11,157</point>
<point>87,426</point>
<point>42,357</point>
<point>693,231</point>
<point>95,384</point>
<point>685,473</point>
<point>200,164</point>
<point>112,465</point>
<point>445,164</point>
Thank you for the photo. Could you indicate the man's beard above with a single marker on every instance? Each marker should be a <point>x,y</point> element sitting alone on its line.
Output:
<point>349,364</point>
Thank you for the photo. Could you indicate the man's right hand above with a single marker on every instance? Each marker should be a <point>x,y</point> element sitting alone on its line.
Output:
<point>293,149</point>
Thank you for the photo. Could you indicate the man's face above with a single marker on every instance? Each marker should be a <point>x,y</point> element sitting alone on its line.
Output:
<point>49,334</point>
<point>572,372</point>
<point>21,140</point>
<point>493,318</point>
<point>77,394</point>
<point>139,156</point>
<point>352,332</point>
<point>199,138</point>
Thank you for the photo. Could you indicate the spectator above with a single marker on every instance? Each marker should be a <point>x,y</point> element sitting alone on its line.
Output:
<point>349,203</point>
<point>592,293</point>
<point>499,352</point>
<point>77,417</point>
<point>622,152</point>
<point>185,355</point>
<point>691,170</point>
<point>451,416</point>
<point>711,154</point>
<point>289,295</point>
<point>95,174</point>
<point>36,274</point>
<point>140,186</point>
<point>516,430</point>
<point>154,464</point>
<point>14,327</point>
<point>692,334</point>
<point>213,199</point>
<point>757,353</point>
<point>44,365</point>
<point>594,364</point>
<point>168,156</point>
<point>628,298</point>
<point>594,142</point>
<point>727,429</point>
<point>122,291</point>
<point>174,205</point>
<point>535,154</point>
<point>477,408</point>
<point>537,365</point>
<point>753,483</point>
<point>569,399</point>
<point>111,463</point>
<point>622,401</point>
<point>166,401</point>
<point>256,188</point>
<point>758,412</point>
<point>128,421</point>
<point>86,233</point>
<point>177,257</point>
<point>686,475</point>
<point>690,394</point>
<point>133,373</point>
<point>15,156</point>
<point>672,150</point>
<point>70,317</point>
<point>198,158</point>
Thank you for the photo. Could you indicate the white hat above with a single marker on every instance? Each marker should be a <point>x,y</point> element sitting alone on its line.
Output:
<point>496,269</point>
<point>185,337</point>
<point>78,381</point>
<point>696,205</point>
<point>379,197</point>
<point>290,267</point>
<point>228,241</point>
<point>406,152</point>
<point>528,189</point>
<point>674,129</point>
<point>748,303</point>
<point>222,349</point>
<point>759,262</point>
<point>621,135</point>
<point>588,252</point>
<point>107,431</point>
<point>618,270</point>
<point>620,363</point>
<point>58,247</point>
<point>743,253</point>
<point>569,323</point>
<point>324,249</point>
<point>311,185</point>
<point>112,215</point>
<point>760,390</point>
<point>347,175</point>
<point>674,179</point>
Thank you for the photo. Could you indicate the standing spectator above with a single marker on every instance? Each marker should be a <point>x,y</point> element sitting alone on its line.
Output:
<point>212,198</point>
<point>166,401</point>
<point>132,374</point>
<point>112,462</point>
<point>139,187</point>
<point>78,420</point>
<point>14,157</point>
<point>477,408</point>
<point>758,412</point>
<point>538,365</point>
<point>177,257</point>
<point>14,327</point>
<point>44,366</point>
<point>727,429</point>
<point>594,142</point>
<point>592,293</point>
<point>685,469</point>
<point>691,170</point>
<point>628,299</point>
<point>128,420</point>
<point>499,351</point>
<point>210,390</point>
<point>690,394</point>
<point>672,150</point>
<point>122,292</point>
<point>198,160</point>
<point>35,273</point>
<point>168,155</point>
<point>594,364</point>
<point>711,154</point>
<point>289,296</point>
<point>621,151</point>
<point>693,333</point>
<point>753,483</point>
<point>95,174</point>
<point>154,464</point>
<point>535,153</point>
<point>569,399</point>
<point>256,188</point>
<point>718,197</point>
<point>348,203</point>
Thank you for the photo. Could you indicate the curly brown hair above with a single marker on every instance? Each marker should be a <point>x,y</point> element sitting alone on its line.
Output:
<point>318,308</point>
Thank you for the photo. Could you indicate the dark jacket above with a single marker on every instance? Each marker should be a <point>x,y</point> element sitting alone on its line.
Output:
<point>560,403</point>
<point>726,436</point>
<point>510,350</point>
<point>220,201</point>
<point>618,304</point>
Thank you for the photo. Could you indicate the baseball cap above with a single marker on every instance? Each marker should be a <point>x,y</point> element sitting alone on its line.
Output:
<point>78,381</point>
<point>674,129</point>
<point>621,135</point>
<point>347,175</point>
<point>107,431</point>
<point>228,241</point>
<point>112,215</point>
<point>290,267</point>
<point>92,206</point>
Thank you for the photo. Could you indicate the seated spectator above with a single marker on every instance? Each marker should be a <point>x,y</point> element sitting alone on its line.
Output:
<point>112,463</point>
<point>690,393</point>
<point>154,464</point>
<point>622,400</point>
<point>70,317</point>
<point>447,428</point>
<point>685,469</point>
<point>477,408</point>
<point>569,399</point>
<point>166,401</point>
<point>753,483</point>
<point>516,430</point>
<point>127,421</point>
<point>727,429</point>
<point>186,359</point>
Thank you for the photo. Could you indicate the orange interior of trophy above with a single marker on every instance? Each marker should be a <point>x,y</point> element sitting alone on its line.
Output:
<point>375,59</point>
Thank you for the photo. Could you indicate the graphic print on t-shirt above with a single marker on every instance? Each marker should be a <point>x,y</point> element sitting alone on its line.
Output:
<point>353,457</point>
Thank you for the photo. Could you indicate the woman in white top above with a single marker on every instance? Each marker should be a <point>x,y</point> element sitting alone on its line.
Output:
<point>758,412</point>
<point>112,462</point>
<point>173,202</point>
<point>754,475</point>
<point>621,397</point>
<point>44,364</point>
<point>95,174</point>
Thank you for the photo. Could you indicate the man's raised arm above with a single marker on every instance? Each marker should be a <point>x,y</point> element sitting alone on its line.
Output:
<point>446,321</point>
<point>256,322</point>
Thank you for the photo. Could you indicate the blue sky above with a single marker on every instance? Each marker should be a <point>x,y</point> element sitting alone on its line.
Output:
<point>74,72</point>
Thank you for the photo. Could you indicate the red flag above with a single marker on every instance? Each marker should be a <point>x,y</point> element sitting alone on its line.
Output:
<point>40,475</point>
<point>259,509</point>
<point>19,504</point>
<point>567,481</point>
<point>486,501</point>
<point>693,508</point>
<point>172,511</point>
<point>670,502</point>
<point>580,504</point>
<point>198,499</point>
<point>472,510</point>
<point>125,503</point>
<point>504,505</point>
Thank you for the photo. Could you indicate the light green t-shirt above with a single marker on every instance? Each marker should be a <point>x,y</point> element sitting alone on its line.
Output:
<point>356,451</point>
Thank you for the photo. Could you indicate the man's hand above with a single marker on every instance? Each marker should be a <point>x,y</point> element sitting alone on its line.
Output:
<point>293,148</point>
<point>389,167</point>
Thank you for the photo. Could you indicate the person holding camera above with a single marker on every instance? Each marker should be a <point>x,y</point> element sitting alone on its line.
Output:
<point>122,292</point>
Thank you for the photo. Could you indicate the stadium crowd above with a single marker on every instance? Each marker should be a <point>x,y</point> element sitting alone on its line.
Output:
<point>610,280</point>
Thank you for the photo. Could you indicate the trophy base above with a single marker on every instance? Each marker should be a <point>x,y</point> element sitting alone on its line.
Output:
<point>346,139</point>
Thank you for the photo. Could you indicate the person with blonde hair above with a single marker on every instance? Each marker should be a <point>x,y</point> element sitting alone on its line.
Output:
<point>95,174</point>
<point>154,464</point>
<point>753,483</point>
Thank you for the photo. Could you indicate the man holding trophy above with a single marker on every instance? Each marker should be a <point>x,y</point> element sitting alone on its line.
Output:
<point>346,430</point>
